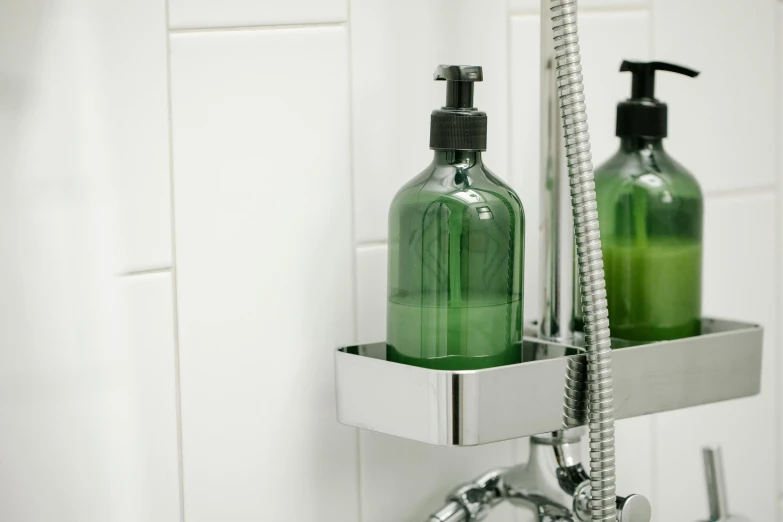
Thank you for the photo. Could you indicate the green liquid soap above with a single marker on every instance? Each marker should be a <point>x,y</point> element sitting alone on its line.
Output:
<point>654,290</point>
<point>456,252</point>
<point>451,338</point>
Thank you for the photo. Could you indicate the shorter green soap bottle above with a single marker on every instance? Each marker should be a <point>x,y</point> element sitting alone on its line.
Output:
<point>650,212</point>
<point>456,237</point>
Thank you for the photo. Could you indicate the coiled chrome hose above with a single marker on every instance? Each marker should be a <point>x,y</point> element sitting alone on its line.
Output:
<point>600,402</point>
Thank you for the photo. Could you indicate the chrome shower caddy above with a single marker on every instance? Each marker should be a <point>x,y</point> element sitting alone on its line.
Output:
<point>465,408</point>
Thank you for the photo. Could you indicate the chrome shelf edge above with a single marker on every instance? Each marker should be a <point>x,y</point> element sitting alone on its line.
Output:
<point>466,408</point>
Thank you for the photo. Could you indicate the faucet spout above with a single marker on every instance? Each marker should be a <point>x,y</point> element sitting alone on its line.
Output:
<point>451,512</point>
<point>472,501</point>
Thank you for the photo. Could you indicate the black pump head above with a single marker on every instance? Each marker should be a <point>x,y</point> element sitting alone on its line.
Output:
<point>459,84</point>
<point>458,125</point>
<point>643,85</point>
<point>642,115</point>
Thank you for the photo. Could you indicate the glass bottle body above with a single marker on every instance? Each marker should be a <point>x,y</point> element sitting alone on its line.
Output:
<point>650,210</point>
<point>456,257</point>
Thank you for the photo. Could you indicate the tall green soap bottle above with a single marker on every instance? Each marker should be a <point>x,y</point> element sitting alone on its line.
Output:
<point>456,236</point>
<point>650,212</point>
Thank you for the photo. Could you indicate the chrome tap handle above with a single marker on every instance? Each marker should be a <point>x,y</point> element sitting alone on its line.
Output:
<point>633,508</point>
<point>716,487</point>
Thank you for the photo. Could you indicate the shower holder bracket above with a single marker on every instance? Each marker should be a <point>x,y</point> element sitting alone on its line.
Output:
<point>467,408</point>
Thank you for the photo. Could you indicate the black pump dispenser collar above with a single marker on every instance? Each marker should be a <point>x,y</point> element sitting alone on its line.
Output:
<point>458,125</point>
<point>642,115</point>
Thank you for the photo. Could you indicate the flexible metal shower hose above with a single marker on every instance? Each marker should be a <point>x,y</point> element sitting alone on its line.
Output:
<point>600,407</point>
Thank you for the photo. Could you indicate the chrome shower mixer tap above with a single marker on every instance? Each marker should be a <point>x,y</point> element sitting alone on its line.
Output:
<point>553,484</point>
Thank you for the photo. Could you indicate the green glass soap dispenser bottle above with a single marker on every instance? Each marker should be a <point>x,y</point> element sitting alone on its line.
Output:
<point>650,213</point>
<point>456,235</point>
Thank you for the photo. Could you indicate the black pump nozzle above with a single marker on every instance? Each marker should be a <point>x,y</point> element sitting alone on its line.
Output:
<point>643,85</point>
<point>458,125</point>
<point>642,115</point>
<point>459,84</point>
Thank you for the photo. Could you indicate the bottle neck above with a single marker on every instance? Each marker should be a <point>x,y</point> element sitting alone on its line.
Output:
<point>639,144</point>
<point>458,158</point>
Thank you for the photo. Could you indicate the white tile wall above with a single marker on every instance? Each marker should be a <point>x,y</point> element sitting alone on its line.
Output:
<point>263,238</point>
<point>89,421</point>
<point>721,123</point>
<point>133,64</point>
<point>71,99</point>
<point>185,14</point>
<point>149,486</point>
<point>87,394</point>
<point>779,253</point>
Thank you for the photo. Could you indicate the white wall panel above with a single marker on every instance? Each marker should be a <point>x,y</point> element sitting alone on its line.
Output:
<point>87,397</point>
<point>721,124</point>
<point>264,253</point>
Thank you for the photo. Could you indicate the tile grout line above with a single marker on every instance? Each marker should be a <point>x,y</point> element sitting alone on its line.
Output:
<point>616,8</point>
<point>145,271</point>
<point>778,227</point>
<point>525,12</point>
<point>743,192</point>
<point>371,243</point>
<point>174,293</point>
<point>354,245</point>
<point>245,28</point>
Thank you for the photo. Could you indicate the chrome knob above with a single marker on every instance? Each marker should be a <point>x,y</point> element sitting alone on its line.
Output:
<point>633,508</point>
